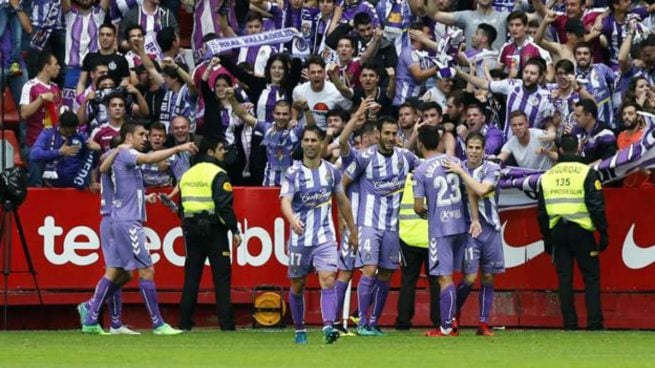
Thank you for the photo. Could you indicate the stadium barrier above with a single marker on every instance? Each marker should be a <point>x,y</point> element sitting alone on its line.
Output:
<point>61,227</point>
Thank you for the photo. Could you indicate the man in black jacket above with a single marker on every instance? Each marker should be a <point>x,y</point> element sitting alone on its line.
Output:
<point>371,48</point>
<point>207,216</point>
<point>570,208</point>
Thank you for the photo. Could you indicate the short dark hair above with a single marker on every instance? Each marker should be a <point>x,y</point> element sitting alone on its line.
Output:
<point>538,62</point>
<point>172,72</point>
<point>386,120</point>
<point>489,31</point>
<point>429,105</point>
<point>129,127</point>
<point>43,60</point>
<point>315,59</point>
<point>574,26</point>
<point>518,14</point>
<point>629,104</point>
<point>251,16</point>
<point>569,143</point>
<point>408,105</point>
<point>362,18</point>
<point>108,25</point>
<point>417,26</point>
<point>349,38</point>
<point>283,103</point>
<point>341,113</point>
<point>131,28</point>
<point>209,143</point>
<point>114,95</point>
<point>371,66</point>
<point>166,37</point>
<point>428,135</point>
<point>647,42</point>
<point>475,136</point>
<point>517,113</point>
<point>313,128</point>
<point>158,125</point>
<point>115,141</point>
<point>588,107</point>
<point>68,119</point>
<point>582,44</point>
<point>102,79</point>
<point>534,23</point>
<point>565,64</point>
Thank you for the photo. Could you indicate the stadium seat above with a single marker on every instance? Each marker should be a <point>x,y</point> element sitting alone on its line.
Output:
<point>10,116</point>
<point>10,137</point>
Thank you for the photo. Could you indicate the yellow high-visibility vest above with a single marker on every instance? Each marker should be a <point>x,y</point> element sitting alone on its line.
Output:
<point>196,188</point>
<point>413,230</point>
<point>564,194</point>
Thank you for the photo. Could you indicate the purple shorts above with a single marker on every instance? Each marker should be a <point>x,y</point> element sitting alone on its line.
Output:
<point>378,248</point>
<point>130,244</point>
<point>485,252</point>
<point>446,254</point>
<point>303,260</point>
<point>347,256</point>
<point>109,252</point>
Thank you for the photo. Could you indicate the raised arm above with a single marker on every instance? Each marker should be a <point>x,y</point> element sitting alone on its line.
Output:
<point>553,47</point>
<point>238,109</point>
<point>156,156</point>
<point>475,81</point>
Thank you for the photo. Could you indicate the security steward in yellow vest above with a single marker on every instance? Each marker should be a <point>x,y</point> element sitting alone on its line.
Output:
<point>207,215</point>
<point>570,208</point>
<point>413,231</point>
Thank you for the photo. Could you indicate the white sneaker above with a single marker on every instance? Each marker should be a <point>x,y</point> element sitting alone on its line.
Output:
<point>123,330</point>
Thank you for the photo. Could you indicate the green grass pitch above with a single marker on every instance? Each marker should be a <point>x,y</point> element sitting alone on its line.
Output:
<point>274,348</point>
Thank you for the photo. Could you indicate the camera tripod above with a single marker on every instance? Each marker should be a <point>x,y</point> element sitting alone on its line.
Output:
<point>9,217</point>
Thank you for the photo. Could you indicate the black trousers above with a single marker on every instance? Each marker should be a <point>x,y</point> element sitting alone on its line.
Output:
<point>199,246</point>
<point>571,242</point>
<point>414,258</point>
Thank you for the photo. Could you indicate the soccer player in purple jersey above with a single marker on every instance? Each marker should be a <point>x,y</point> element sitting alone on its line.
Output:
<point>114,302</point>
<point>306,203</point>
<point>486,251</point>
<point>128,214</point>
<point>447,221</point>
<point>380,171</point>
<point>347,254</point>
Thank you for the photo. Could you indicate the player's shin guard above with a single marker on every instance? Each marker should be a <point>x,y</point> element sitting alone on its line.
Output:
<point>104,288</point>
<point>486,301</point>
<point>364,293</point>
<point>149,293</point>
<point>448,303</point>
<point>340,288</point>
<point>463,291</point>
<point>297,305</point>
<point>329,305</point>
<point>379,299</point>
<point>115,304</point>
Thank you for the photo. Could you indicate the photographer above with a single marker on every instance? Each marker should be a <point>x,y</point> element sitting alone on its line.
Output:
<point>66,153</point>
<point>94,108</point>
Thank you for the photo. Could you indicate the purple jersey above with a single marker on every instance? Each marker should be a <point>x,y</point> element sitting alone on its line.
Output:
<point>311,191</point>
<point>381,181</point>
<point>616,32</point>
<point>280,144</point>
<point>536,104</point>
<point>267,100</point>
<point>47,13</point>
<point>119,8</point>
<point>443,190</point>
<point>406,85</point>
<point>257,56</point>
<point>205,21</point>
<point>395,18</point>
<point>128,199</point>
<point>82,34</point>
<point>488,205</point>
<point>599,80</point>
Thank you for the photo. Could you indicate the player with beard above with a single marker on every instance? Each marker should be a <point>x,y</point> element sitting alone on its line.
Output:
<point>380,171</point>
<point>306,203</point>
<point>597,78</point>
<point>128,215</point>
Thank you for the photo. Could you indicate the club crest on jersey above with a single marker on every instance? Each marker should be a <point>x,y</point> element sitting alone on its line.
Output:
<point>329,178</point>
<point>112,65</point>
<point>533,100</point>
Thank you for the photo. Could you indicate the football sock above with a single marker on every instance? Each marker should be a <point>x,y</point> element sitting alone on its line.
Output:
<point>379,299</point>
<point>297,305</point>
<point>340,287</point>
<point>329,305</point>
<point>447,304</point>
<point>149,293</point>
<point>486,302</point>
<point>115,304</point>
<point>364,289</point>
<point>103,288</point>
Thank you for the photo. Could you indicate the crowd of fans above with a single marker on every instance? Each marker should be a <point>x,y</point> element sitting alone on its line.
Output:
<point>522,74</point>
